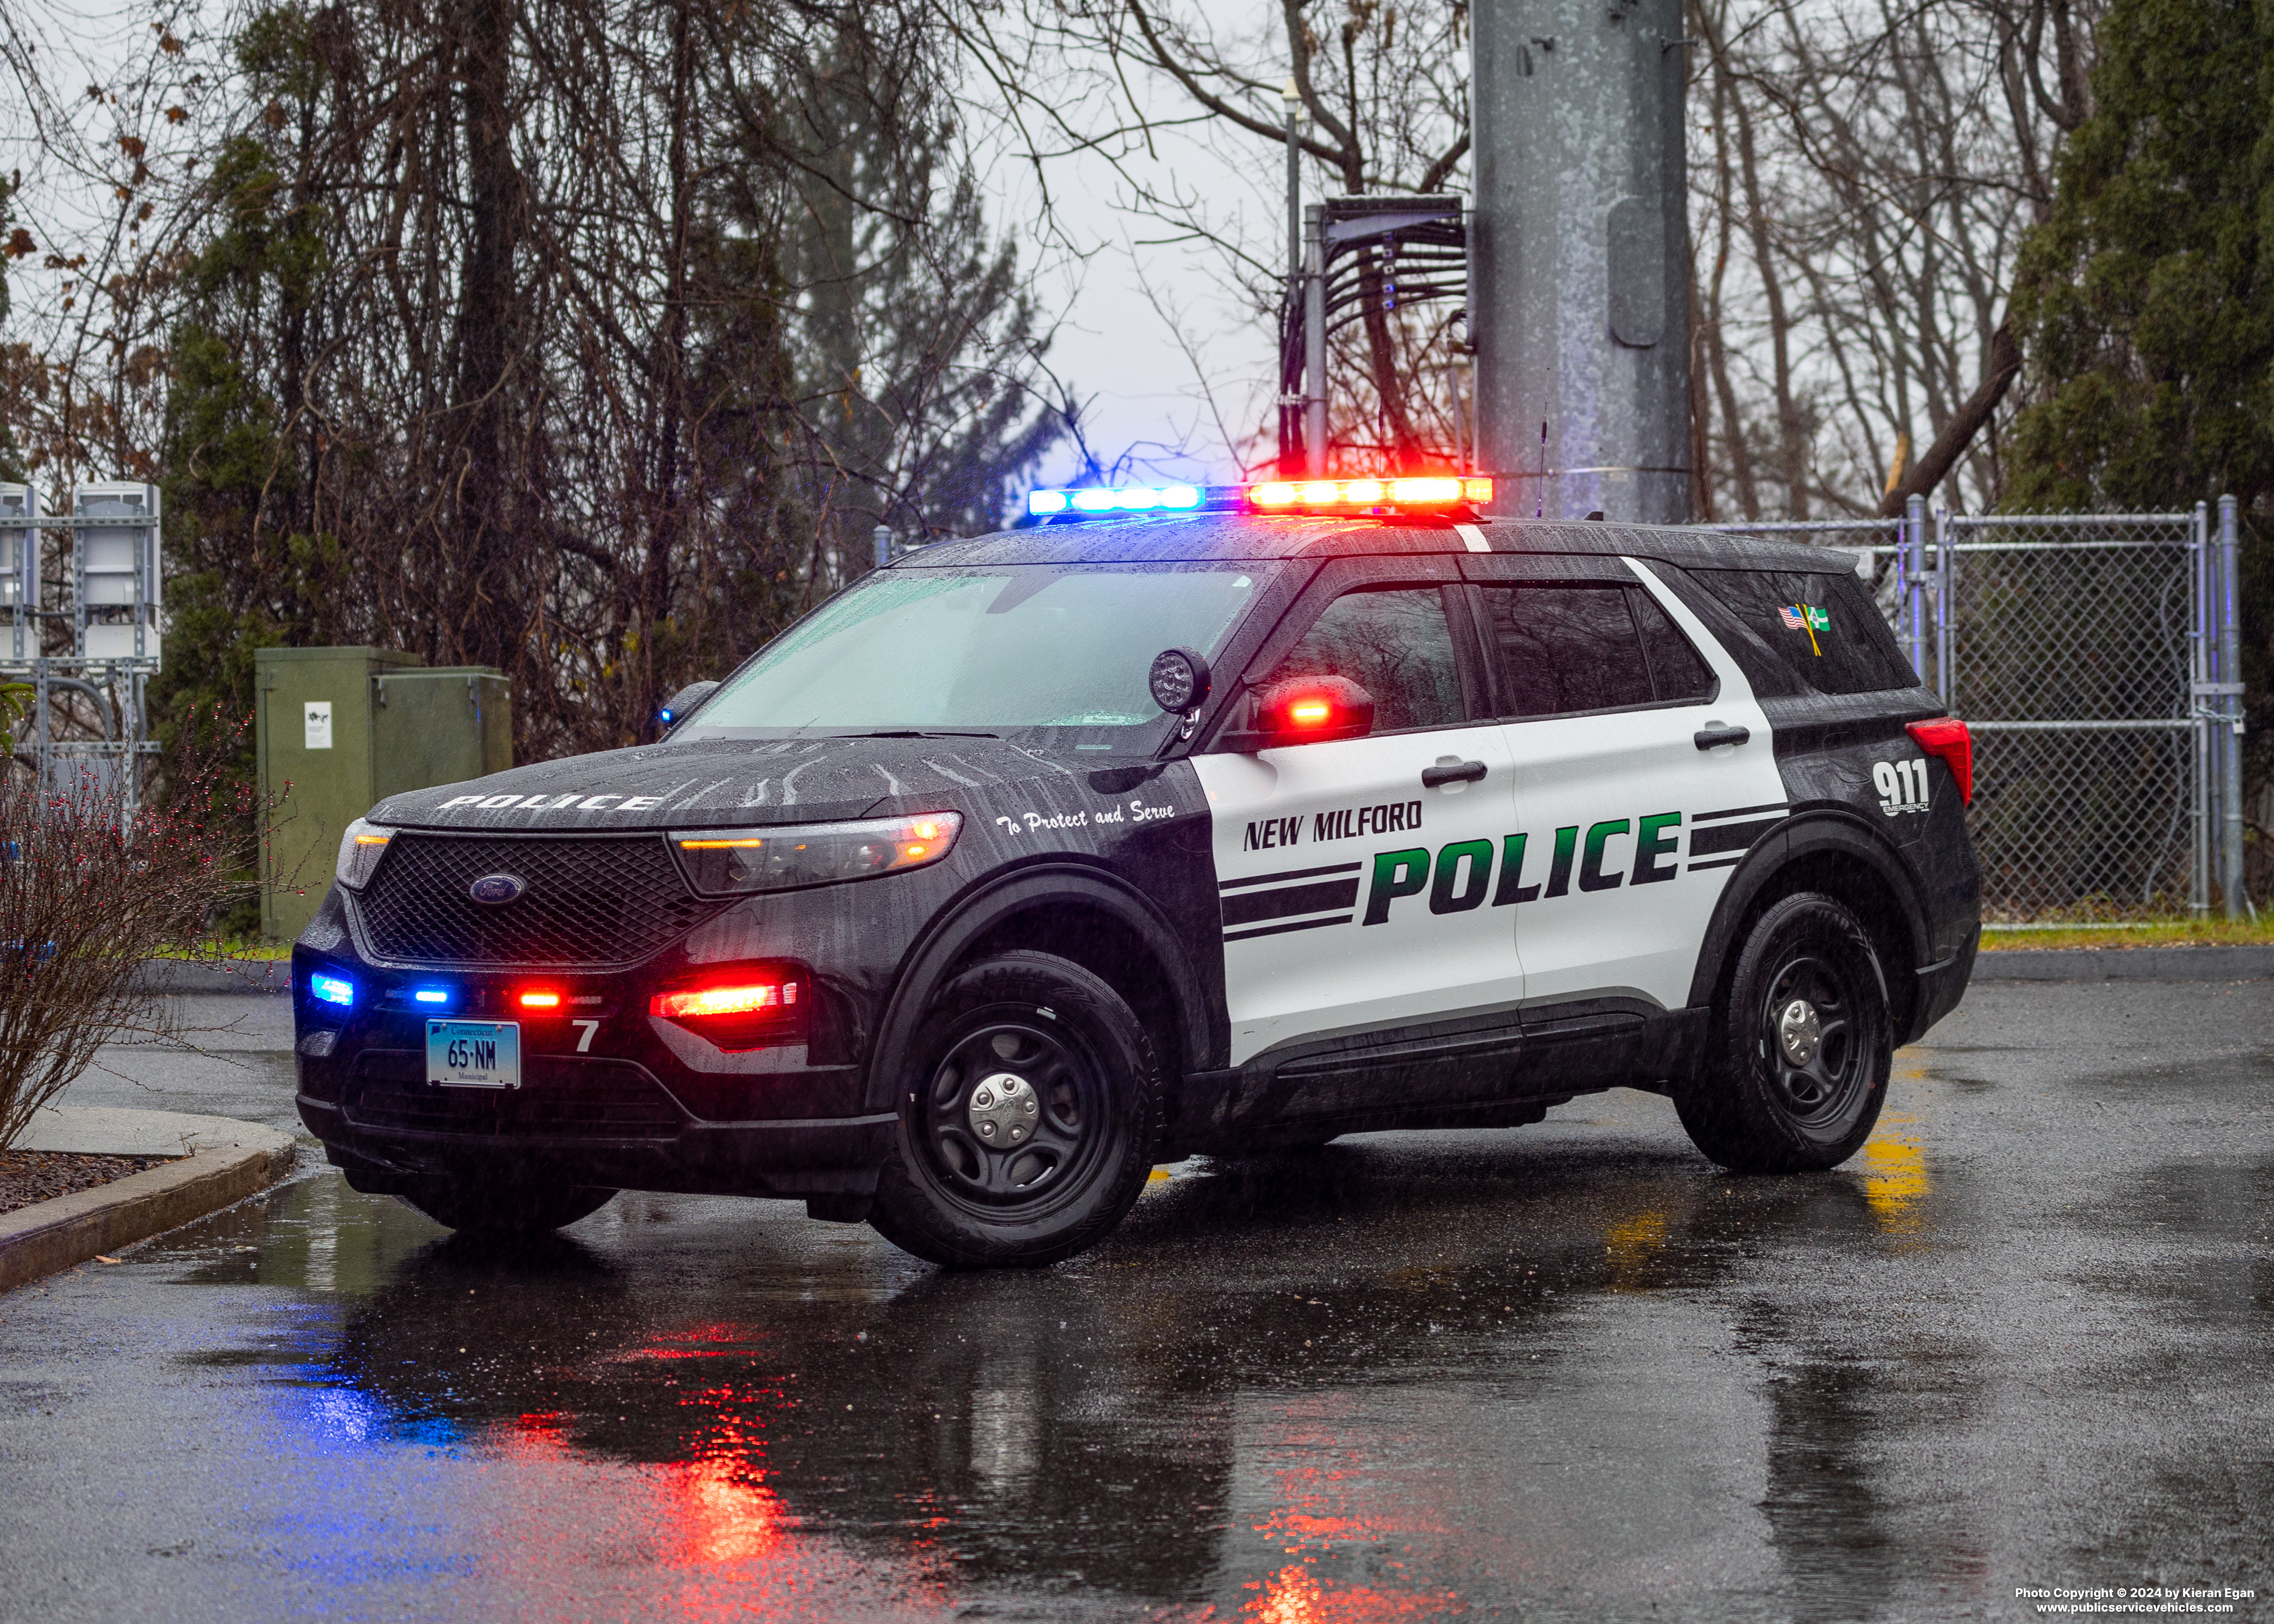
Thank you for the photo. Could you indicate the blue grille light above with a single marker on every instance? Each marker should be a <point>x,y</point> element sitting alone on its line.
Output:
<point>332,989</point>
<point>432,994</point>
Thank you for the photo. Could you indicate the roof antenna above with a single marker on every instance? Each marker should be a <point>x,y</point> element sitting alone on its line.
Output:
<point>1540,507</point>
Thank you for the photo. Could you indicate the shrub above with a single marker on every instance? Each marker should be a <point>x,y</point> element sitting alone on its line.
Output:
<point>85,896</point>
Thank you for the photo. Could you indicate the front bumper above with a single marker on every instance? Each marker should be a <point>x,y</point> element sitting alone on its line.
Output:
<point>833,1156</point>
<point>610,1094</point>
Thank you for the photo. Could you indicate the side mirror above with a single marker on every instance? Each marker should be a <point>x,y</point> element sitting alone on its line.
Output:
<point>681,705</point>
<point>1304,710</point>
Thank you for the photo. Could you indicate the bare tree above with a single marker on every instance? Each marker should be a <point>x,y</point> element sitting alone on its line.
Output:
<point>1879,167</point>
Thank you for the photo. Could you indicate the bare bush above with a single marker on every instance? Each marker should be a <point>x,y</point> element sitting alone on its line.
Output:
<point>85,899</point>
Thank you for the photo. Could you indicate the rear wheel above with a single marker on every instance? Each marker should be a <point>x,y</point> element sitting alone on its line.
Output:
<point>1028,1117</point>
<point>1801,1045</point>
<point>480,1206</point>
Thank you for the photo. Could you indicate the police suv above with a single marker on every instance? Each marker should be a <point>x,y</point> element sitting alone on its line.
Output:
<point>1034,859</point>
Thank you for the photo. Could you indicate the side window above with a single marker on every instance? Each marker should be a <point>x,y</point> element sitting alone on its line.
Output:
<point>1677,673</point>
<point>1560,649</point>
<point>1824,627</point>
<point>1396,643</point>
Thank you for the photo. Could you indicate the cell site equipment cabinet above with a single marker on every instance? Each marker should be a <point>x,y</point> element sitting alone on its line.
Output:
<point>340,729</point>
<point>81,593</point>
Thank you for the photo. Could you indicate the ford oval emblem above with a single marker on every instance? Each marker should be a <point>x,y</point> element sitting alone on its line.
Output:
<point>496,888</point>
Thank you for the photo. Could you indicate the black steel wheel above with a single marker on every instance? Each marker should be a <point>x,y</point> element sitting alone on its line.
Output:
<point>506,1206</point>
<point>1801,1046</point>
<point>1027,1119</point>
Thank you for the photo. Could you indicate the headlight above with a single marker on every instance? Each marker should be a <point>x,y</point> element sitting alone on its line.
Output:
<point>728,862</point>
<point>361,847</point>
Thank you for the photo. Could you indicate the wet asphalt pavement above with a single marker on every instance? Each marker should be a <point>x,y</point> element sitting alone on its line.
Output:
<point>1562,1371</point>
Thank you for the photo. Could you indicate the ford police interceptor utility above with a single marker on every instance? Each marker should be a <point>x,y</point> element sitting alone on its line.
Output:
<point>1034,859</point>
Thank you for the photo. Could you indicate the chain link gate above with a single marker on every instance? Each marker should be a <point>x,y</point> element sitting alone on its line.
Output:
<point>2084,652</point>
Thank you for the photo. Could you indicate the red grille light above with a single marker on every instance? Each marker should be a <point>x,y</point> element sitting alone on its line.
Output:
<point>539,999</point>
<point>699,1002</point>
<point>1945,736</point>
<point>748,1007</point>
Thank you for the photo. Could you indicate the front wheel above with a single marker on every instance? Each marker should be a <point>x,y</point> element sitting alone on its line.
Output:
<point>1797,1066</point>
<point>1028,1116</point>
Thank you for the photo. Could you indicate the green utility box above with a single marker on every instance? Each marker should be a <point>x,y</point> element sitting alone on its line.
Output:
<point>345,728</point>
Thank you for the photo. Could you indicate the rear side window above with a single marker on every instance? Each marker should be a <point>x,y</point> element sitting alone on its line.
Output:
<point>1396,645</point>
<point>1677,672</point>
<point>1560,649</point>
<point>1824,627</point>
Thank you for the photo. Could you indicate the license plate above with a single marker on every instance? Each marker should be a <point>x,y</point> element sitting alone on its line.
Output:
<point>473,1053</point>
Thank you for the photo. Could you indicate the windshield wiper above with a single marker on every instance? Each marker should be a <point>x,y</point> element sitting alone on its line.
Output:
<point>912,732</point>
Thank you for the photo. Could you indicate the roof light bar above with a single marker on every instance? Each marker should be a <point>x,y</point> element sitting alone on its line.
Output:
<point>1102,498</point>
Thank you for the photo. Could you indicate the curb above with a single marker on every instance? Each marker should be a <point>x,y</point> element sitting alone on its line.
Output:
<point>214,975</point>
<point>51,1235</point>
<point>2233,961</point>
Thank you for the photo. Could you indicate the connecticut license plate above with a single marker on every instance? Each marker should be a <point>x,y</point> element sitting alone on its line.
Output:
<point>474,1054</point>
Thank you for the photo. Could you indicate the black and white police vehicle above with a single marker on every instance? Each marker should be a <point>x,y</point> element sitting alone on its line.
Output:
<point>1036,860</point>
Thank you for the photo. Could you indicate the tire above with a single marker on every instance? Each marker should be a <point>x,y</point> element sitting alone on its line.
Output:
<point>506,1207</point>
<point>1036,1049</point>
<point>1799,1048</point>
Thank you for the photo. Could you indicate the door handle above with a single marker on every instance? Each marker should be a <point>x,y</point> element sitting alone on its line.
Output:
<point>1706,738</point>
<point>1460,772</point>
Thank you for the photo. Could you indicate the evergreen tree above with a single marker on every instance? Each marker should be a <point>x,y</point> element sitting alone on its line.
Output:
<point>916,340</point>
<point>2146,300</point>
<point>247,571</point>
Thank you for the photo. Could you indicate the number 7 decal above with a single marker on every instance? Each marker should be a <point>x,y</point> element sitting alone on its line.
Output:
<point>585,1029</point>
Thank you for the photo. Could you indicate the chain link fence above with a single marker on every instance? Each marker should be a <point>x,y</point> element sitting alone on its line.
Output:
<point>2081,650</point>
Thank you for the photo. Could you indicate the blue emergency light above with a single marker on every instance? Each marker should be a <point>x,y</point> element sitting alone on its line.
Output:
<point>432,995</point>
<point>332,989</point>
<point>1100,499</point>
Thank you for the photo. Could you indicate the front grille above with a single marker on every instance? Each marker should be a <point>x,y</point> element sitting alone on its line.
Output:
<point>558,1099</point>
<point>596,903</point>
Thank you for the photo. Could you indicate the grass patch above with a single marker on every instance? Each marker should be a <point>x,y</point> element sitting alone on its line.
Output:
<point>2156,933</point>
<point>254,949</point>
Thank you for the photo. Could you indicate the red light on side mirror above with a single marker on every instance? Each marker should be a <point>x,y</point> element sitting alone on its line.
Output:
<point>1945,736</point>
<point>1306,710</point>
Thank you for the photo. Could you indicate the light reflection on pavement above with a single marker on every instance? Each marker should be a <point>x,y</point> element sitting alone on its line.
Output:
<point>1565,1372</point>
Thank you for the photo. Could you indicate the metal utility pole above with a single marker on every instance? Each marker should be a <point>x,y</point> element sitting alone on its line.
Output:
<point>1314,342</point>
<point>1292,403</point>
<point>1580,306</point>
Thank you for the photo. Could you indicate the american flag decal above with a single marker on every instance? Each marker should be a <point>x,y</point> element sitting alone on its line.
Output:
<point>1792,619</point>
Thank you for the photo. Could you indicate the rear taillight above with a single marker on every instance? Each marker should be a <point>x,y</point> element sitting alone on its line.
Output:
<point>1946,737</point>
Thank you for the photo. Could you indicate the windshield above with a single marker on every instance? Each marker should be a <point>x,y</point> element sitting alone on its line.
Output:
<point>1001,650</point>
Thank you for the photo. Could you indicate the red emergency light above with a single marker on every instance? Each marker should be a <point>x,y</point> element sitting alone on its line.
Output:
<point>1424,494</point>
<point>747,1007</point>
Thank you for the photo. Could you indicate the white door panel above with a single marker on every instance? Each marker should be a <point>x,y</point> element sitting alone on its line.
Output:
<point>1623,840</point>
<point>1353,897</point>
